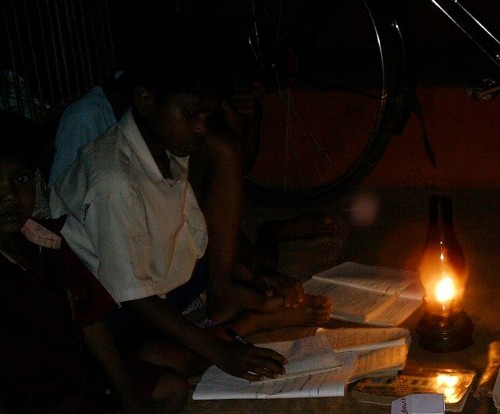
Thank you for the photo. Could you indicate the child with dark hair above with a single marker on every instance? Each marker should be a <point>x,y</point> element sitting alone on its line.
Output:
<point>56,356</point>
<point>144,199</point>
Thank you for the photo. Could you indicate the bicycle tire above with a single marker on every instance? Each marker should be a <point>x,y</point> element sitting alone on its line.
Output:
<point>348,65</point>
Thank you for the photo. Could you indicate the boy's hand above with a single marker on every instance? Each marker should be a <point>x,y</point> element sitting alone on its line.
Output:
<point>249,362</point>
<point>274,283</point>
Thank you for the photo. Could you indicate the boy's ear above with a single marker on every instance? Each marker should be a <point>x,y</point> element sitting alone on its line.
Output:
<point>143,99</point>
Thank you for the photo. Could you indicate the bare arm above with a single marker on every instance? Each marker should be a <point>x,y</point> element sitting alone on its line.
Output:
<point>234,358</point>
<point>242,114</point>
<point>265,275</point>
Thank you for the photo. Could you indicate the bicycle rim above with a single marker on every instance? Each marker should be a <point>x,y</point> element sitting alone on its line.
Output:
<point>330,94</point>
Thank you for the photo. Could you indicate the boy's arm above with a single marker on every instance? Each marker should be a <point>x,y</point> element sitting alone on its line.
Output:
<point>237,359</point>
<point>242,115</point>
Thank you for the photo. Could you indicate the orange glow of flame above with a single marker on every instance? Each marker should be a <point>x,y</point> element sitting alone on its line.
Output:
<point>447,384</point>
<point>445,289</point>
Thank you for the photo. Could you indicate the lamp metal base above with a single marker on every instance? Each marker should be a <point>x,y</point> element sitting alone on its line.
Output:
<point>438,333</point>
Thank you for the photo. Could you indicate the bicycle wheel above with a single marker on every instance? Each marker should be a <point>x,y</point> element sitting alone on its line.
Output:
<point>332,81</point>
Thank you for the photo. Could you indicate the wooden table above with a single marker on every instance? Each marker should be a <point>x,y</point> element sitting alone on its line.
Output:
<point>395,240</point>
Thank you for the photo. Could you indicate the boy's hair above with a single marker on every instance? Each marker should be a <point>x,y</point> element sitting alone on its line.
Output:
<point>19,138</point>
<point>184,55</point>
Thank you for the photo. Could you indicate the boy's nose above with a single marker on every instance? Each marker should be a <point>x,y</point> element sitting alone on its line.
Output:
<point>201,129</point>
<point>9,192</point>
<point>201,126</point>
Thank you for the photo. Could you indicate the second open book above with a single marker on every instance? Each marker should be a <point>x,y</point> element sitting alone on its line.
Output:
<point>370,295</point>
<point>318,366</point>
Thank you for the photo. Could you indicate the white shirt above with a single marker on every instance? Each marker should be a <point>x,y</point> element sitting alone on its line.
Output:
<point>138,232</point>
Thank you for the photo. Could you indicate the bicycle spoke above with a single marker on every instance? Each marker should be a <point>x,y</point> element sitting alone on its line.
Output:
<point>326,95</point>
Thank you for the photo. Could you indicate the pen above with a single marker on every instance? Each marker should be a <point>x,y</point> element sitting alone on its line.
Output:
<point>237,337</point>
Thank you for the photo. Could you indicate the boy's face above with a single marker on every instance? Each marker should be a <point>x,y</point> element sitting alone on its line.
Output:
<point>17,194</point>
<point>181,123</point>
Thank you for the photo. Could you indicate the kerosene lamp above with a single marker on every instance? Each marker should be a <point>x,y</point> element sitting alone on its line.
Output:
<point>444,327</point>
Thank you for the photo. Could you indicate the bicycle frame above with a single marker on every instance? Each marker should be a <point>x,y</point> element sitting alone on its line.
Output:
<point>396,15</point>
<point>377,71</point>
<point>465,19</point>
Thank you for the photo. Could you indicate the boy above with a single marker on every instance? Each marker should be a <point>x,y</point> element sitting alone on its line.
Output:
<point>50,305</point>
<point>134,219</point>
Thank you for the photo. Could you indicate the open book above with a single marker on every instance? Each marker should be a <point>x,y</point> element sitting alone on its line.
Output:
<point>369,294</point>
<point>315,368</point>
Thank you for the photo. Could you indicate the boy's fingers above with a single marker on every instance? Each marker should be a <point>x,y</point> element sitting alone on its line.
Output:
<point>289,288</point>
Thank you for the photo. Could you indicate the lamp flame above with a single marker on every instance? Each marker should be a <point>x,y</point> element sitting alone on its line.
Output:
<point>445,289</point>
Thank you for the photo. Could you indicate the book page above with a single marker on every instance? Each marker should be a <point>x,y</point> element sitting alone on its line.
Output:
<point>414,291</point>
<point>373,278</point>
<point>379,360</point>
<point>215,384</point>
<point>358,339</point>
<point>371,295</point>
<point>400,310</point>
<point>350,302</point>
<point>496,391</point>
<point>305,356</point>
